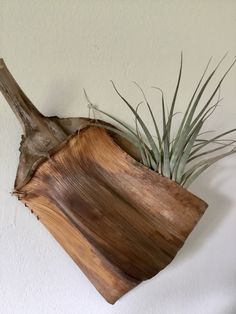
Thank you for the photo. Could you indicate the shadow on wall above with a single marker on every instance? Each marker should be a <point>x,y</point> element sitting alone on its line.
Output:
<point>208,187</point>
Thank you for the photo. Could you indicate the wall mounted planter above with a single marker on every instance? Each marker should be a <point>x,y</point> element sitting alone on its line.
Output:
<point>120,221</point>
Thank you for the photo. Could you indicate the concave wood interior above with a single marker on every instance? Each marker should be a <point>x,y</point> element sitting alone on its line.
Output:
<point>121,222</point>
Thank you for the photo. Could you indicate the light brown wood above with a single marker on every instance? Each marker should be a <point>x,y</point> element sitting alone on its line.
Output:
<point>121,222</point>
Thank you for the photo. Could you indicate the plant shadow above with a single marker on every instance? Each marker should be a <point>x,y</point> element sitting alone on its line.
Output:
<point>208,187</point>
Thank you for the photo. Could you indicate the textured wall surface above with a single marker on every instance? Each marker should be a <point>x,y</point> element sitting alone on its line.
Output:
<point>57,48</point>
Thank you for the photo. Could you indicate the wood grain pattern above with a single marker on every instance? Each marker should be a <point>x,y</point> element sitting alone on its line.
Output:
<point>92,195</point>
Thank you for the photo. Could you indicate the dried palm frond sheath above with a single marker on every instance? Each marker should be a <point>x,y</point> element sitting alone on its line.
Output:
<point>120,221</point>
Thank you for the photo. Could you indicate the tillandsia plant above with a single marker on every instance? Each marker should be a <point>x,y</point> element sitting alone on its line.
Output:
<point>185,156</point>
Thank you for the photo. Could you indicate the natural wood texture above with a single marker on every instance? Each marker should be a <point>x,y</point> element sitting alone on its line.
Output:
<point>121,222</point>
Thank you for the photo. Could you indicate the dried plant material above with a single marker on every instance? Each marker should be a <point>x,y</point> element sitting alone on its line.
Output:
<point>120,221</point>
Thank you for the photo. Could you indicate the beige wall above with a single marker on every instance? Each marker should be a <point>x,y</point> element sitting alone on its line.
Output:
<point>55,49</point>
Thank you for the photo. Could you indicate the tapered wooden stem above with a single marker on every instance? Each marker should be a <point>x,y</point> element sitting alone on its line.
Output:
<point>25,111</point>
<point>30,118</point>
<point>41,133</point>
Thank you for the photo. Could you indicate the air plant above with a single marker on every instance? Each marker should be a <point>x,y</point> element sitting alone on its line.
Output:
<point>185,156</point>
